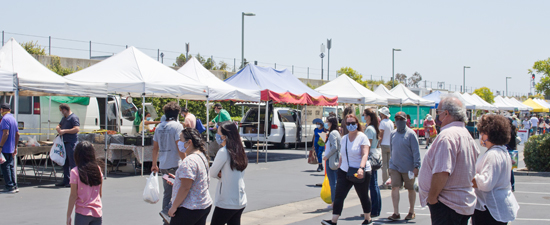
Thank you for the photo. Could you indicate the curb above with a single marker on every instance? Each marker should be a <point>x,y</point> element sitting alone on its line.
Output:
<point>525,172</point>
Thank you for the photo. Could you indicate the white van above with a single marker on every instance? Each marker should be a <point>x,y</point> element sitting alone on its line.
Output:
<point>38,117</point>
<point>284,126</point>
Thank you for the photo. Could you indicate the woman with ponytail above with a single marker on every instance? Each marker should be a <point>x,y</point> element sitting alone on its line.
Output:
<point>191,202</point>
<point>228,167</point>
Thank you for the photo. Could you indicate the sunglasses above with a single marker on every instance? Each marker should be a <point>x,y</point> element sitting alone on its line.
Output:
<point>352,123</point>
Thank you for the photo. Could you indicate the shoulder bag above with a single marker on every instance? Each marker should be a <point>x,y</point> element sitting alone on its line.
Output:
<point>352,170</point>
<point>375,159</point>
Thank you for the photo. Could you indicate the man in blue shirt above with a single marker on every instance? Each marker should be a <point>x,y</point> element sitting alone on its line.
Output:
<point>8,143</point>
<point>67,129</point>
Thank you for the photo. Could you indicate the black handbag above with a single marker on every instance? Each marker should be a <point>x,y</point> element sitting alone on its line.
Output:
<point>352,170</point>
<point>375,162</point>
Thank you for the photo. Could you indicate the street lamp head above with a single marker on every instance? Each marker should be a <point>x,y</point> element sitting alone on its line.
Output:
<point>322,48</point>
<point>508,77</point>
<point>397,49</point>
<point>467,67</point>
<point>248,14</point>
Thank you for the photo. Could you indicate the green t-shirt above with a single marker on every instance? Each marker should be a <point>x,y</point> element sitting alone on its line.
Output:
<point>222,117</point>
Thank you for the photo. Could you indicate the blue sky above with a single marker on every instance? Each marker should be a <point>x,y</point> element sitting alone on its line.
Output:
<point>495,38</point>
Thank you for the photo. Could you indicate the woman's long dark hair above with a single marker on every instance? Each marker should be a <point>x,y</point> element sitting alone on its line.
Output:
<point>333,120</point>
<point>88,166</point>
<point>373,121</point>
<point>234,146</point>
<point>195,137</point>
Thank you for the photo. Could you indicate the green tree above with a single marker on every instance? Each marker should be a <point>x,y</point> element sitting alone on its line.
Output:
<point>200,58</point>
<point>34,48</point>
<point>180,61</point>
<point>485,93</point>
<point>414,80</point>
<point>223,66</point>
<point>210,64</point>
<point>56,67</point>
<point>353,74</point>
<point>542,67</point>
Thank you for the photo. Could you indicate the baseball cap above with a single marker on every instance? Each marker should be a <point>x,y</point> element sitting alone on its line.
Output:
<point>385,111</point>
<point>5,106</point>
<point>401,114</point>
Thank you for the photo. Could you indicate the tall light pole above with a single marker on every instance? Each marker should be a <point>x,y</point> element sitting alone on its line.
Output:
<point>507,85</point>
<point>322,55</point>
<point>329,45</point>
<point>464,78</point>
<point>242,49</point>
<point>392,66</point>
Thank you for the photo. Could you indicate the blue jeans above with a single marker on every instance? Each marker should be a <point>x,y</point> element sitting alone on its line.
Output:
<point>319,151</point>
<point>8,171</point>
<point>332,177</point>
<point>69,162</point>
<point>512,179</point>
<point>375,197</point>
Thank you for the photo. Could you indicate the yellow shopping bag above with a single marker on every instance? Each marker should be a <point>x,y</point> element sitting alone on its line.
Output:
<point>325,191</point>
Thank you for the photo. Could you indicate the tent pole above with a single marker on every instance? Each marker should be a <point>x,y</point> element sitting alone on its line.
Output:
<point>266,123</point>
<point>207,120</point>
<point>418,119</point>
<point>178,118</point>
<point>143,131</point>
<point>49,119</point>
<point>106,129</point>
<point>258,131</point>
<point>16,116</point>
<point>305,127</point>
<point>186,104</point>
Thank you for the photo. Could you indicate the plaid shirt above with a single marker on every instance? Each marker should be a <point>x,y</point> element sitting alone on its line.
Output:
<point>455,152</point>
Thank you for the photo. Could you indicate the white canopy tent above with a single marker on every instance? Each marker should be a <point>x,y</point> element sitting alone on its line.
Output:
<point>132,73</point>
<point>217,89</point>
<point>7,80</point>
<point>542,102</point>
<point>479,103</point>
<point>501,104</point>
<point>409,98</point>
<point>36,79</point>
<point>382,91</point>
<point>520,105</point>
<point>349,91</point>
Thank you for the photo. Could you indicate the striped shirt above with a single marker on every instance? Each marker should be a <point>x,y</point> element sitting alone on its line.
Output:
<point>455,152</point>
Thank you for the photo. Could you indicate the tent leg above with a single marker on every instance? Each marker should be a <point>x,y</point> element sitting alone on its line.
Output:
<point>258,139</point>
<point>106,129</point>
<point>49,119</point>
<point>305,128</point>
<point>16,115</point>
<point>418,120</point>
<point>143,132</point>
<point>266,123</point>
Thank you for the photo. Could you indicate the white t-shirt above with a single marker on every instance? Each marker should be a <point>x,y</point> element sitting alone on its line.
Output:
<point>354,151</point>
<point>387,126</point>
<point>534,121</point>
<point>527,124</point>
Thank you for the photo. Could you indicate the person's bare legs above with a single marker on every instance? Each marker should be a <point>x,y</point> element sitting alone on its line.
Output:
<point>335,218</point>
<point>412,200</point>
<point>395,199</point>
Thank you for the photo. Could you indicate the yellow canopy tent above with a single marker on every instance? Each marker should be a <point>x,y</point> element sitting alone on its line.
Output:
<point>536,106</point>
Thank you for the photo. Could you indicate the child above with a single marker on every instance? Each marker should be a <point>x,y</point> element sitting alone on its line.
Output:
<point>86,179</point>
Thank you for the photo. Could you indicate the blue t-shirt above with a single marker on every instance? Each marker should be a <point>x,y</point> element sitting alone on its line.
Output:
<point>69,123</point>
<point>317,131</point>
<point>9,123</point>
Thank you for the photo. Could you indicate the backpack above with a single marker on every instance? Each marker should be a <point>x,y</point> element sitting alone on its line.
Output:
<point>199,126</point>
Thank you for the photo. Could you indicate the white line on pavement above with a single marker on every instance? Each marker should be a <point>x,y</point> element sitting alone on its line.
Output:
<point>523,203</point>
<point>532,183</point>
<point>529,192</point>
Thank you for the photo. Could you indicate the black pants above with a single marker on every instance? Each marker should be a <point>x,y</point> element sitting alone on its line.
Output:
<point>484,218</point>
<point>226,216</point>
<point>343,185</point>
<point>443,215</point>
<point>69,161</point>
<point>190,217</point>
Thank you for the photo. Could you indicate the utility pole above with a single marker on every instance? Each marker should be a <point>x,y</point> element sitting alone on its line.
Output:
<point>329,45</point>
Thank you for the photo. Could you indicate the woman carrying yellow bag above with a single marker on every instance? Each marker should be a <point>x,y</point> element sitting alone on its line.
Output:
<point>325,191</point>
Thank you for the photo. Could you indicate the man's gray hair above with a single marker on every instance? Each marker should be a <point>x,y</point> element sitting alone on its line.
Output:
<point>455,106</point>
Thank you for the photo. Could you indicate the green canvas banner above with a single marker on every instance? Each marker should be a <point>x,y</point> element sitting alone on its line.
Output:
<point>73,100</point>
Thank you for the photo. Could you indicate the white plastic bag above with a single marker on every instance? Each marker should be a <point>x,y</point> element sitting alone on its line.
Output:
<point>151,192</point>
<point>2,158</point>
<point>58,153</point>
<point>31,142</point>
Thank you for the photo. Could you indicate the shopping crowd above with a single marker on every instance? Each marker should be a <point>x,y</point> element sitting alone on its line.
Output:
<point>451,180</point>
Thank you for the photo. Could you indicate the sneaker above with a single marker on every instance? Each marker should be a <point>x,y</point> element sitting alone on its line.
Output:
<point>367,222</point>
<point>328,222</point>
<point>7,191</point>
<point>16,190</point>
<point>410,216</point>
<point>165,217</point>
<point>329,207</point>
<point>394,217</point>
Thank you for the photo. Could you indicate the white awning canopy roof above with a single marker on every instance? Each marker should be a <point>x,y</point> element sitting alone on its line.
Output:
<point>7,80</point>
<point>519,104</point>
<point>218,90</point>
<point>408,97</point>
<point>349,91</point>
<point>382,91</point>
<point>132,73</point>
<point>502,104</point>
<point>36,79</point>
<point>542,103</point>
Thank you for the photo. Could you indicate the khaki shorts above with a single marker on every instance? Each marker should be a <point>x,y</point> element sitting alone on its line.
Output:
<point>397,180</point>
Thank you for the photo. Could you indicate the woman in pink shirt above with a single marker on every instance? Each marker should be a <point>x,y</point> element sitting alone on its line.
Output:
<point>86,179</point>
